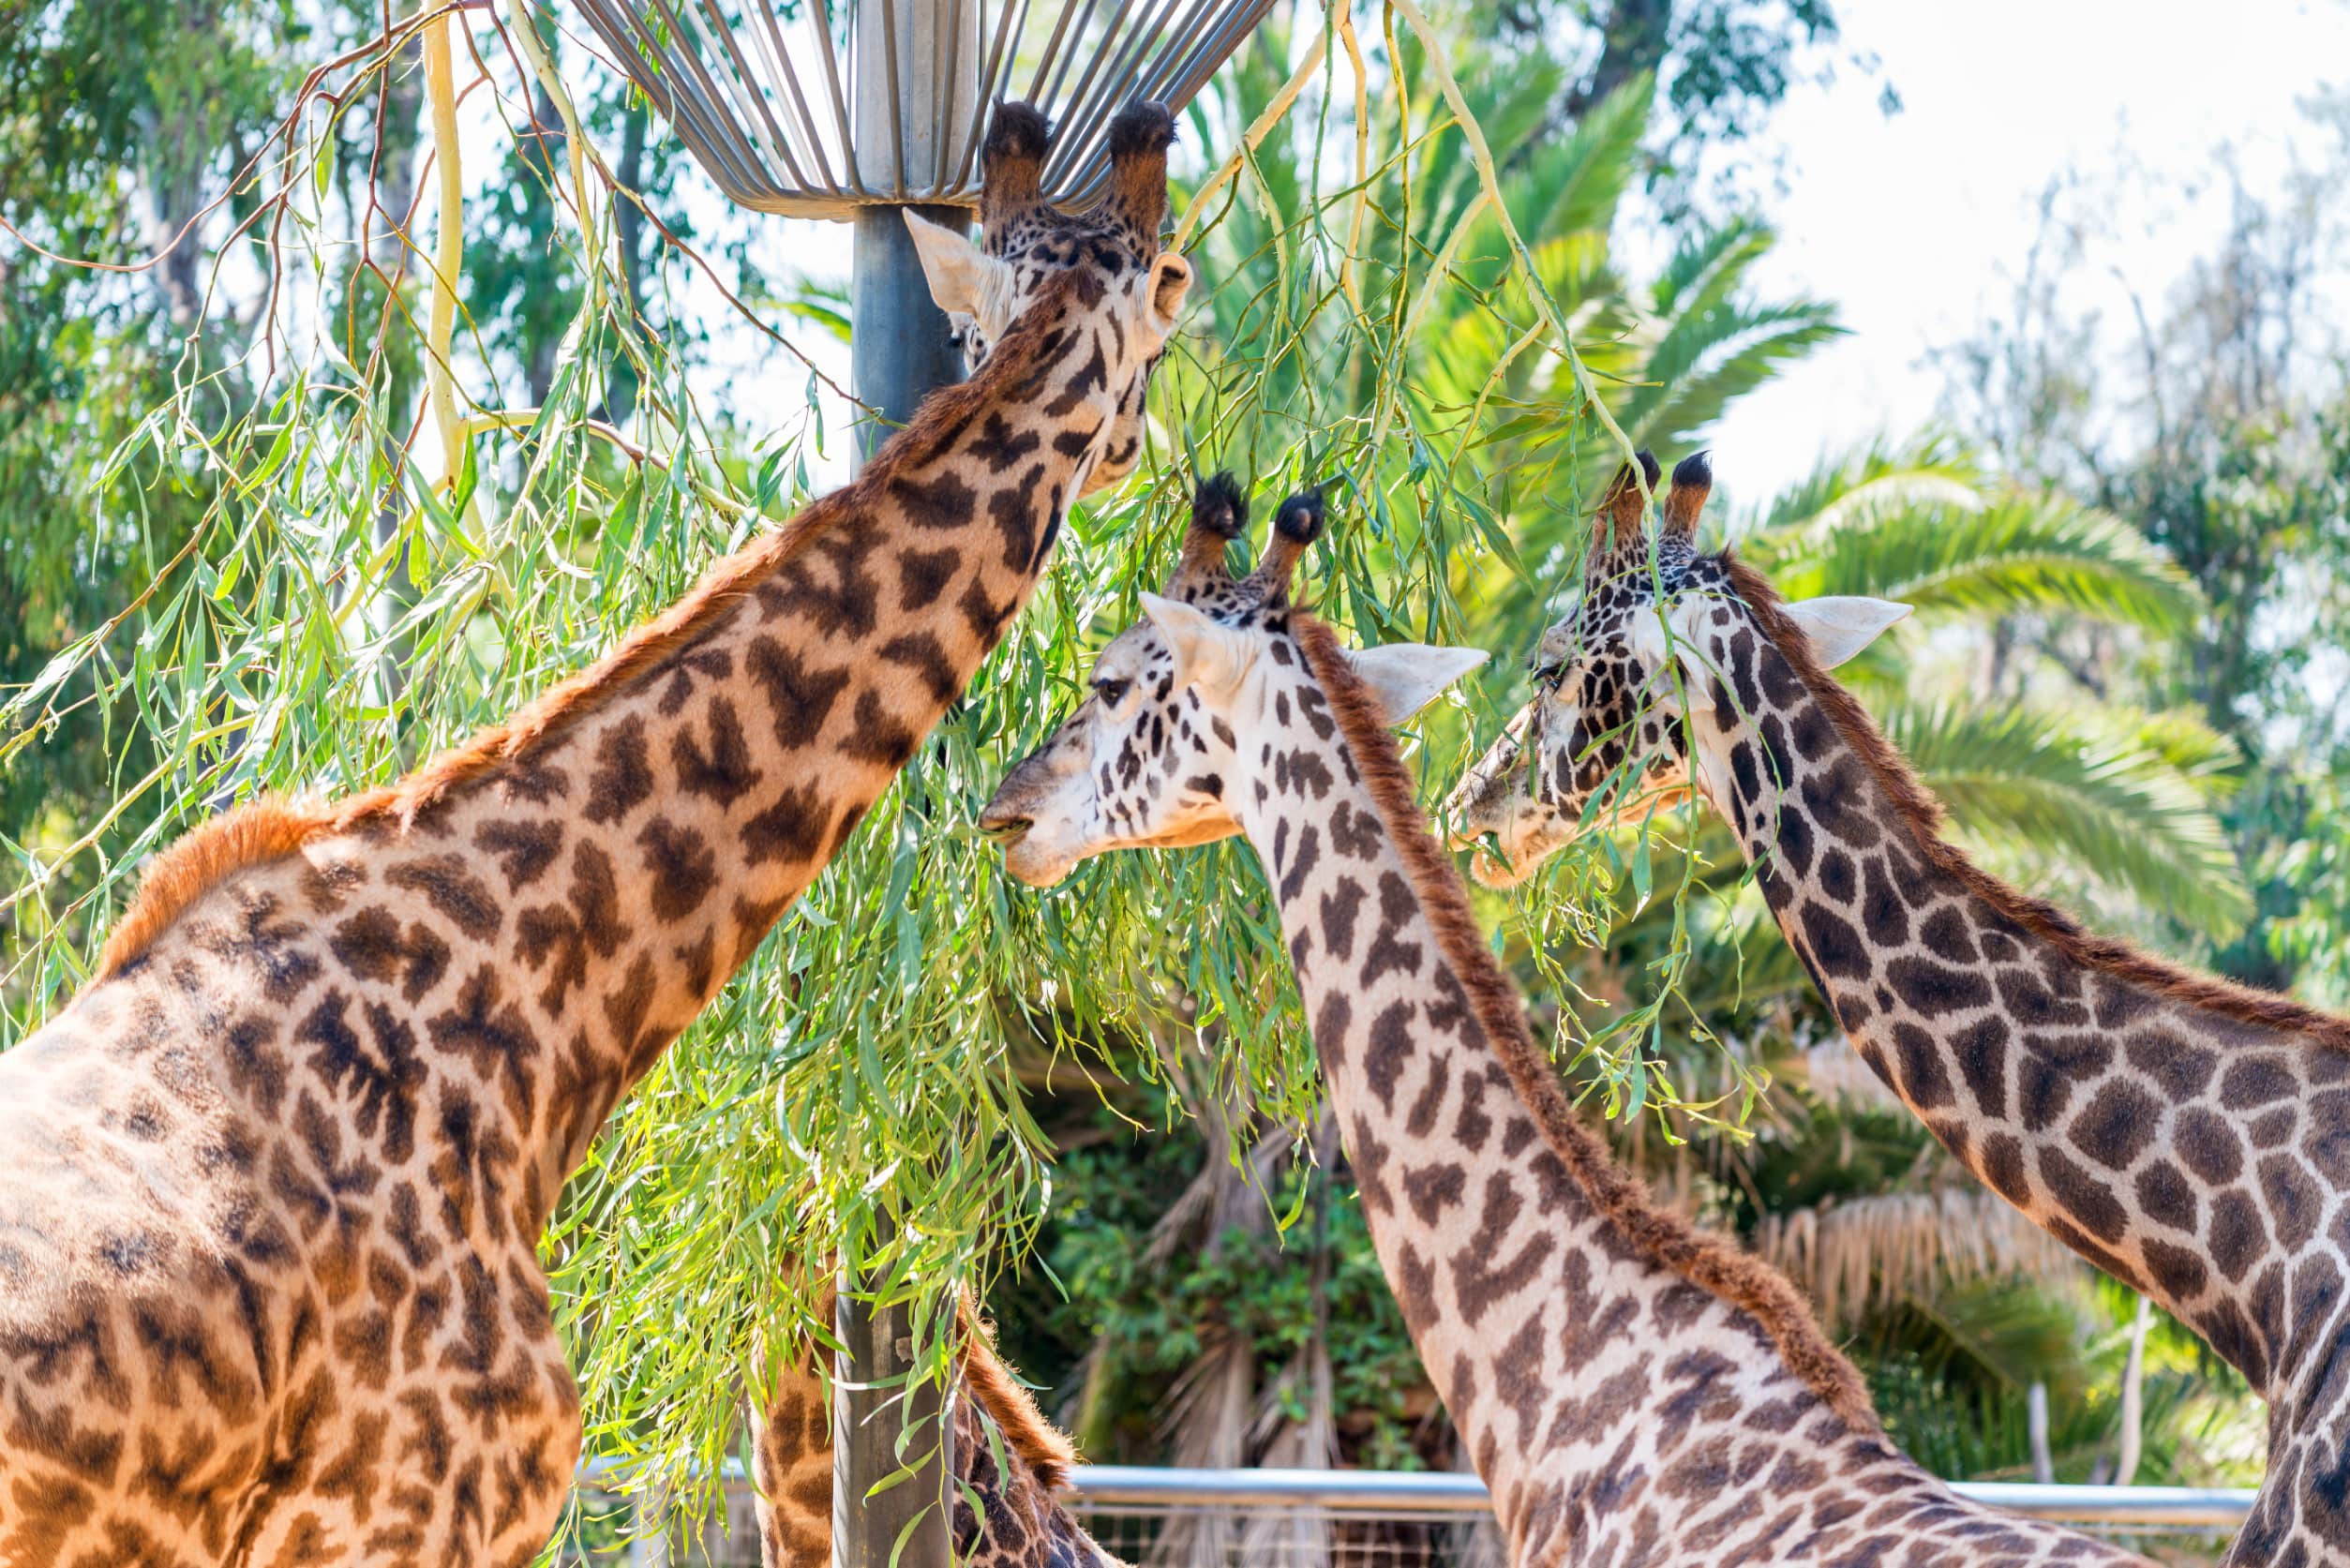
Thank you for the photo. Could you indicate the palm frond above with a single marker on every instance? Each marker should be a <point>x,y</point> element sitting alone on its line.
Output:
<point>1862,1254</point>
<point>2011,554</point>
<point>1931,465</point>
<point>1573,188</point>
<point>1707,266</point>
<point>2104,801</point>
<point>1707,360</point>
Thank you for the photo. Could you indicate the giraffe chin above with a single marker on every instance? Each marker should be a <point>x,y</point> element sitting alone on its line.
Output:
<point>1041,864</point>
<point>1525,832</point>
<point>1035,865</point>
<point>1519,860</point>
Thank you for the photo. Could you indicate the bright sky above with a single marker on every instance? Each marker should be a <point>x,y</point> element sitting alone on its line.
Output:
<point>1918,225</point>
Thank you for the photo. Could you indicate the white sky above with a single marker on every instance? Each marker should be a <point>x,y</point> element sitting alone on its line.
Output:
<point>1917,226</point>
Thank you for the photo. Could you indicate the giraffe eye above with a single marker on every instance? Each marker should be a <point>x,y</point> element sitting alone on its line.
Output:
<point>1111,692</point>
<point>1547,672</point>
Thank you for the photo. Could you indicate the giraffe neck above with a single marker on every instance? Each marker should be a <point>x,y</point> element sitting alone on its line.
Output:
<point>494,950</point>
<point>2185,1137</point>
<point>1578,1337</point>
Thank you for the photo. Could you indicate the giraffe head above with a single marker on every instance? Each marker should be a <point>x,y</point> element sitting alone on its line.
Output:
<point>1133,289</point>
<point>1603,738</point>
<point>1187,704</point>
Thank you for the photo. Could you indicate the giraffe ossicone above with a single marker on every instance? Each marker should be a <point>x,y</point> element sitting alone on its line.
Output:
<point>269,1285</point>
<point>1630,1387</point>
<point>2187,1136</point>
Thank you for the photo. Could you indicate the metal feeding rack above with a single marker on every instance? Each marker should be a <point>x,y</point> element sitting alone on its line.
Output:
<point>817,110</point>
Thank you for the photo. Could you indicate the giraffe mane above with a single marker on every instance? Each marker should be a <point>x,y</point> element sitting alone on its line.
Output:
<point>1047,1449</point>
<point>1710,1262</point>
<point>1918,806</point>
<point>273,827</point>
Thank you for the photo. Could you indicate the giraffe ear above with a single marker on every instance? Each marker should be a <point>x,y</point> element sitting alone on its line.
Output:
<point>1208,653</point>
<point>1170,281</point>
<point>957,269</point>
<point>1405,677</point>
<point>1839,625</point>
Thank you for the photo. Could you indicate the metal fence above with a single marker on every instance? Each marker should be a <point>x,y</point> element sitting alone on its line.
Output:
<point>1308,1518</point>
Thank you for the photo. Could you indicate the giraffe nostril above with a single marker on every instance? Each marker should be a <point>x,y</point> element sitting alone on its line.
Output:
<point>1005,829</point>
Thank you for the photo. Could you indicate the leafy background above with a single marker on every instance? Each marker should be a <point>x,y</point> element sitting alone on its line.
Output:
<point>237,557</point>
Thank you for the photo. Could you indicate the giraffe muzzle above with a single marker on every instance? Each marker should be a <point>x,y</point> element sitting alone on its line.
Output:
<point>1482,800</point>
<point>1005,832</point>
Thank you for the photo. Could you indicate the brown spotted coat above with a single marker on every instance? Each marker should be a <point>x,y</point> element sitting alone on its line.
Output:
<point>1632,1389</point>
<point>2187,1136</point>
<point>269,1287</point>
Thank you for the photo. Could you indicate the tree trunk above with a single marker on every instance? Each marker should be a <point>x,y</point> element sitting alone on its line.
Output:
<point>2134,1397</point>
<point>399,112</point>
<point>1631,40</point>
<point>628,222</point>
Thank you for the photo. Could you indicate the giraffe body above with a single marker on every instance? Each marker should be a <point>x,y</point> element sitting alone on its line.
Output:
<point>269,1287</point>
<point>1632,1390</point>
<point>2189,1138</point>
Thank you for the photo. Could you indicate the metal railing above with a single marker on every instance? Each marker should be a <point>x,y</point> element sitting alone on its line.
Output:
<point>1111,1487</point>
<point>1263,1517</point>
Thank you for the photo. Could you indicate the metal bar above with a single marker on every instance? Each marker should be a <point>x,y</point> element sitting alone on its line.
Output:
<point>1152,76</point>
<point>1111,1487</point>
<point>721,140</point>
<point>1080,167</point>
<point>897,98</point>
<point>1221,42</point>
<point>1382,1492</point>
<point>942,109</point>
<point>1175,77</point>
<point>990,80</point>
<point>2115,1505</point>
<point>744,83</point>
<point>769,36</point>
<point>1077,124</point>
<point>1043,100</point>
<point>820,18</point>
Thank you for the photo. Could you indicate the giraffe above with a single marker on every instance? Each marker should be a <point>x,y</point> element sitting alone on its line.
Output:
<point>1009,1463</point>
<point>269,1290</point>
<point>1630,1387</point>
<point>2188,1137</point>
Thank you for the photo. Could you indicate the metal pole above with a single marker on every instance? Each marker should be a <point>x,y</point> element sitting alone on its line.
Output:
<point>908,60</point>
<point>866,1423</point>
<point>898,346</point>
<point>912,76</point>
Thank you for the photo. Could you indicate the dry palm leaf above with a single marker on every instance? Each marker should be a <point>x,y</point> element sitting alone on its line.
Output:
<point>1865,1253</point>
